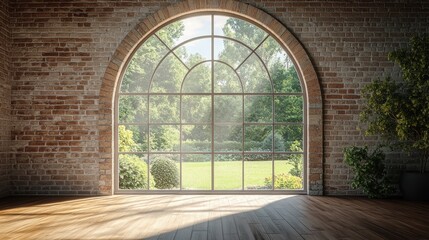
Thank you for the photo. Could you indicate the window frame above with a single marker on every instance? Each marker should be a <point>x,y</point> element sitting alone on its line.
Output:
<point>273,94</point>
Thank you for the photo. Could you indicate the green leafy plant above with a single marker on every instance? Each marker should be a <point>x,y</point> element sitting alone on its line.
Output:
<point>284,181</point>
<point>165,173</point>
<point>398,110</point>
<point>296,160</point>
<point>369,171</point>
<point>132,172</point>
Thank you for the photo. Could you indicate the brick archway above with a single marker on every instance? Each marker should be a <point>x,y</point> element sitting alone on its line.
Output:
<point>145,27</point>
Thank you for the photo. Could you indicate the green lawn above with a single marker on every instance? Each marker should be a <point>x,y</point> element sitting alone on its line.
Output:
<point>228,174</point>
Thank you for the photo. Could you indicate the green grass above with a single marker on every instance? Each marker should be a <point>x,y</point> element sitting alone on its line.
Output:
<point>227,174</point>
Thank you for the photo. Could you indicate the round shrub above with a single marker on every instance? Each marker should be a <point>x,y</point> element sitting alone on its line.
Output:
<point>165,173</point>
<point>132,172</point>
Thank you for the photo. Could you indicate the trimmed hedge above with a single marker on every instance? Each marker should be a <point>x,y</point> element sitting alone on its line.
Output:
<point>165,173</point>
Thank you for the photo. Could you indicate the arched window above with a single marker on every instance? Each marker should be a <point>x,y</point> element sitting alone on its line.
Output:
<point>210,103</point>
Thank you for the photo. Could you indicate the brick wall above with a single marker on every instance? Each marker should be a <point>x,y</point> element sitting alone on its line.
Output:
<point>348,42</point>
<point>61,52</point>
<point>4,98</point>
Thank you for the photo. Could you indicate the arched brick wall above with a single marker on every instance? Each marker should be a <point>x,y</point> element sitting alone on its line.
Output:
<point>146,26</point>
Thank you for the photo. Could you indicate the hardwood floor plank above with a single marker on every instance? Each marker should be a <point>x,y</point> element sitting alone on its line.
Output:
<point>231,237</point>
<point>243,228</point>
<point>268,225</point>
<point>215,230</point>
<point>199,235</point>
<point>228,225</point>
<point>277,236</point>
<point>287,230</point>
<point>259,232</point>
<point>294,222</point>
<point>273,214</point>
<point>183,233</point>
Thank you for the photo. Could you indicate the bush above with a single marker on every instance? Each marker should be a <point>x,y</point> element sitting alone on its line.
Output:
<point>132,172</point>
<point>284,181</point>
<point>258,157</point>
<point>165,173</point>
<point>197,158</point>
<point>369,171</point>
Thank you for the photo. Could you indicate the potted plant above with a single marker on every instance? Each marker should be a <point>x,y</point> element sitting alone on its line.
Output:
<point>398,111</point>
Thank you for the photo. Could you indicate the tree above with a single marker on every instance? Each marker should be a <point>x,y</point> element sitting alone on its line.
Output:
<point>398,110</point>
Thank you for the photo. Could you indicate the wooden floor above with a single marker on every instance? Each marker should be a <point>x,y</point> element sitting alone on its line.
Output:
<point>211,217</point>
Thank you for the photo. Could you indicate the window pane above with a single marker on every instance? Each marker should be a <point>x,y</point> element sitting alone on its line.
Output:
<point>228,109</point>
<point>142,65</point>
<point>226,80</point>
<point>271,52</point>
<point>288,171</point>
<point>196,109</point>
<point>256,138</point>
<point>288,109</point>
<point>196,172</point>
<point>227,172</point>
<point>231,52</point>
<point>258,170</point>
<point>132,138</point>
<point>198,79</point>
<point>285,80</point>
<point>133,171</point>
<point>164,109</point>
<point>168,76</point>
<point>132,109</point>
<point>254,76</point>
<point>164,172</point>
<point>195,51</point>
<point>164,138</point>
<point>228,138</point>
<point>182,30</point>
<point>238,29</point>
<point>289,135</point>
<point>196,138</point>
<point>258,109</point>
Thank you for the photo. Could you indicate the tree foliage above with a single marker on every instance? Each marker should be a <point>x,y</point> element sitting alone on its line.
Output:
<point>126,140</point>
<point>399,110</point>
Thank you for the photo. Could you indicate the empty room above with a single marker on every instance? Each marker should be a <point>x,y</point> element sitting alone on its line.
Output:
<point>214,119</point>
